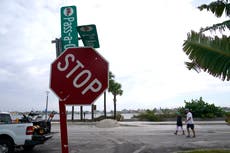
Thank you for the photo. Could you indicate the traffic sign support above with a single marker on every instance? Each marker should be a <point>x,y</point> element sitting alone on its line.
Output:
<point>63,128</point>
<point>93,83</point>
<point>69,38</point>
<point>78,76</point>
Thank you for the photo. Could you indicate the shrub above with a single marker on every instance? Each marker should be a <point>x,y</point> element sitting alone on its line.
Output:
<point>119,117</point>
<point>149,115</point>
<point>204,110</point>
<point>227,117</point>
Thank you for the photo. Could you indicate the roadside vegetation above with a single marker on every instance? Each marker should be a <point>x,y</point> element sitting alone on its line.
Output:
<point>202,109</point>
<point>227,117</point>
<point>156,115</point>
<point>207,151</point>
<point>116,89</point>
<point>199,108</point>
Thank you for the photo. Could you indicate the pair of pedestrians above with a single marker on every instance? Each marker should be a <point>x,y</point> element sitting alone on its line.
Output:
<point>189,122</point>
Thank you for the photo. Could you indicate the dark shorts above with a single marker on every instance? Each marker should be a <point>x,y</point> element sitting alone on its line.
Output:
<point>190,126</point>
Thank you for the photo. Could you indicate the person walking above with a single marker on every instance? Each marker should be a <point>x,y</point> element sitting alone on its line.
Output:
<point>189,122</point>
<point>179,124</point>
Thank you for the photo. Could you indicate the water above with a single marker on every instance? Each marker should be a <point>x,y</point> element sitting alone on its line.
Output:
<point>89,116</point>
<point>77,116</point>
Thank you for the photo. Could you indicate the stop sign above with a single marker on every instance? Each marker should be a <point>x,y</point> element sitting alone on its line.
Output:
<point>79,76</point>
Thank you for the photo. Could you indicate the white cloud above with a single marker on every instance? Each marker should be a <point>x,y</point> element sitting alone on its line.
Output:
<point>142,40</point>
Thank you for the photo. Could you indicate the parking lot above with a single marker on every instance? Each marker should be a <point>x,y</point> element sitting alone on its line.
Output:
<point>135,137</point>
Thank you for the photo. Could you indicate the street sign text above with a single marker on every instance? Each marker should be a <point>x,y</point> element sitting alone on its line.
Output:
<point>81,76</point>
<point>69,35</point>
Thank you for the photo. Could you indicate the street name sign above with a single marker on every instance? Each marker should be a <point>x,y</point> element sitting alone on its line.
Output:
<point>89,35</point>
<point>69,35</point>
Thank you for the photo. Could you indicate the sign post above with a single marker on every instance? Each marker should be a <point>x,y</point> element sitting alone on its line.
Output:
<point>69,38</point>
<point>63,127</point>
<point>78,76</point>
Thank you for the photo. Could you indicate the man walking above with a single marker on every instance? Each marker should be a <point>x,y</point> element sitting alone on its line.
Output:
<point>190,123</point>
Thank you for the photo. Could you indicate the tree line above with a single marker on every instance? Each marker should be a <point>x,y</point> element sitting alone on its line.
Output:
<point>198,107</point>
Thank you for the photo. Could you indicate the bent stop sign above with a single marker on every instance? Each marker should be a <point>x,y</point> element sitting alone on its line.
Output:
<point>79,76</point>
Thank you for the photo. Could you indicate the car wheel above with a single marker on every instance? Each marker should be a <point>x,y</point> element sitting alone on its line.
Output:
<point>6,146</point>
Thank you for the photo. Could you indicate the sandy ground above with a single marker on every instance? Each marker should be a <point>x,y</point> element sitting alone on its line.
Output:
<point>136,137</point>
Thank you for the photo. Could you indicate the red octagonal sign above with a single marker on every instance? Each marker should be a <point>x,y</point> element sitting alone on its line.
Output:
<point>79,76</point>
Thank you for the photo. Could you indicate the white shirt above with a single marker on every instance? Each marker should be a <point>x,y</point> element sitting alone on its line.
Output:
<point>189,115</point>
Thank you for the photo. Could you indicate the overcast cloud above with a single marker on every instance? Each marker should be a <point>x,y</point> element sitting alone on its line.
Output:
<point>142,40</point>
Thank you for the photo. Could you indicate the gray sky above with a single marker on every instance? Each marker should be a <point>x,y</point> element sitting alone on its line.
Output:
<point>142,40</point>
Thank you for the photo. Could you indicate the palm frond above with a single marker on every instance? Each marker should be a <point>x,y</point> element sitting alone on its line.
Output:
<point>111,75</point>
<point>193,65</point>
<point>115,88</point>
<point>209,54</point>
<point>220,26</point>
<point>218,8</point>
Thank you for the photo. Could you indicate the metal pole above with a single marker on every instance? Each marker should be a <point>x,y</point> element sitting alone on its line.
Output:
<point>72,113</point>
<point>58,46</point>
<point>81,113</point>
<point>63,128</point>
<point>105,104</point>
<point>62,110</point>
<point>92,109</point>
<point>47,95</point>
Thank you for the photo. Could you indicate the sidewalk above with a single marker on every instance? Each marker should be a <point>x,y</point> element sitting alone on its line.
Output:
<point>139,123</point>
<point>171,123</point>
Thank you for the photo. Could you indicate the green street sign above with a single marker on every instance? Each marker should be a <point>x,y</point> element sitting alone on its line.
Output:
<point>88,35</point>
<point>69,35</point>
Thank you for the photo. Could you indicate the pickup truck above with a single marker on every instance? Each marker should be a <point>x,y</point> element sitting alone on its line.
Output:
<point>24,135</point>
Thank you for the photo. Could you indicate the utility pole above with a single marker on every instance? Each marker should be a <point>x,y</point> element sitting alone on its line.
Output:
<point>47,97</point>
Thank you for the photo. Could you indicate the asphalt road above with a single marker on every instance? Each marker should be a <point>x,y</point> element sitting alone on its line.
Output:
<point>135,137</point>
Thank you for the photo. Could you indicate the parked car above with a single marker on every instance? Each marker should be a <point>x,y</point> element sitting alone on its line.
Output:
<point>26,135</point>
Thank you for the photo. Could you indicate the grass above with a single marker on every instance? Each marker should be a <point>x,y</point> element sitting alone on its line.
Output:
<point>208,151</point>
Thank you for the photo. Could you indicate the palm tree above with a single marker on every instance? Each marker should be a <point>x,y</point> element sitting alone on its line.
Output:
<point>210,54</point>
<point>115,89</point>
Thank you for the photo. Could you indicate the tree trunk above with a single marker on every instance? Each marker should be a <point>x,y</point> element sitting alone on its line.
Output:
<point>115,107</point>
